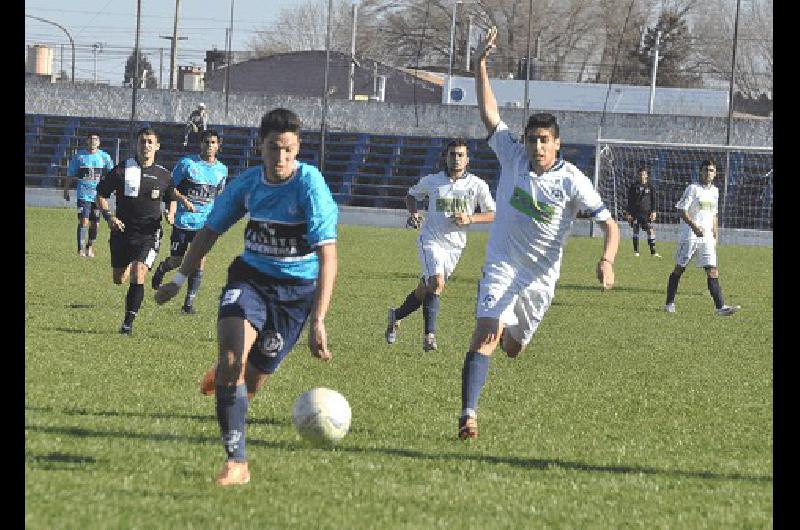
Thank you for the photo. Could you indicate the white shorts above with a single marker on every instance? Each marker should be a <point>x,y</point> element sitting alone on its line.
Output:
<point>519,307</point>
<point>436,258</point>
<point>704,251</point>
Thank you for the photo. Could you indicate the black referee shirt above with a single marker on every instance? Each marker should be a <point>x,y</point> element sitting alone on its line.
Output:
<point>139,192</point>
<point>641,199</point>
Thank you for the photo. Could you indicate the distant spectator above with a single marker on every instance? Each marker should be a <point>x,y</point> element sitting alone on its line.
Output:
<point>197,123</point>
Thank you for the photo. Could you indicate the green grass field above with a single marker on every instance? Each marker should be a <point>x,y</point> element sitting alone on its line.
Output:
<point>617,415</point>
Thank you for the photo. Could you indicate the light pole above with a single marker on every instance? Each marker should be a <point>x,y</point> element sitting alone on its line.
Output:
<point>528,59</point>
<point>450,62</point>
<point>72,42</point>
<point>654,73</point>
<point>228,67</point>
<point>323,122</point>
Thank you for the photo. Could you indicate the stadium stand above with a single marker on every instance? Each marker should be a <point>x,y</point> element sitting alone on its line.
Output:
<point>361,169</point>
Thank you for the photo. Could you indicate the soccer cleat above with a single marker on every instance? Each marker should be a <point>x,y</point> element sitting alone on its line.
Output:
<point>90,252</point>
<point>81,253</point>
<point>655,255</point>
<point>669,308</point>
<point>429,342</point>
<point>636,254</point>
<point>391,327</point>
<point>467,427</point>
<point>208,384</point>
<point>233,474</point>
<point>188,309</point>
<point>728,310</point>
<point>126,329</point>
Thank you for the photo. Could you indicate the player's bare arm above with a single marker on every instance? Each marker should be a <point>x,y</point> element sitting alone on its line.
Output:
<point>698,230</point>
<point>464,219</point>
<point>114,224</point>
<point>169,214</point>
<point>201,245</point>
<point>414,216</point>
<point>487,104</point>
<point>186,202</point>
<point>67,186</point>
<point>317,334</point>
<point>605,267</point>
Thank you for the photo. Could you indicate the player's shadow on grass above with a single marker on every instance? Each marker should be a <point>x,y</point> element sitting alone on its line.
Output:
<point>160,416</point>
<point>532,463</point>
<point>60,462</point>
<point>76,331</point>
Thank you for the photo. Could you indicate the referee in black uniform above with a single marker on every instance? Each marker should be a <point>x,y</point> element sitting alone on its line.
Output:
<point>140,186</point>
<point>640,212</point>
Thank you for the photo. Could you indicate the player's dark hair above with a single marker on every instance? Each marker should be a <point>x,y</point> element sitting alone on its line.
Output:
<point>279,121</point>
<point>707,162</point>
<point>209,133</point>
<point>146,131</point>
<point>91,133</point>
<point>456,142</point>
<point>543,120</point>
<point>642,168</point>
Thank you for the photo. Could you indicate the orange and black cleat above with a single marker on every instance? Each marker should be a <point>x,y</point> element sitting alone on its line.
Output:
<point>467,427</point>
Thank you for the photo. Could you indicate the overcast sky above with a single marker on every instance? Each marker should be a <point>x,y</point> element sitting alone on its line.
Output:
<point>112,25</point>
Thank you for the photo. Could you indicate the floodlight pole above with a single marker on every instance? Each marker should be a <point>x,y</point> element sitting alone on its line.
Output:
<point>323,125</point>
<point>228,66</point>
<point>135,83</point>
<point>528,59</point>
<point>71,42</point>
<point>450,62</point>
<point>654,73</point>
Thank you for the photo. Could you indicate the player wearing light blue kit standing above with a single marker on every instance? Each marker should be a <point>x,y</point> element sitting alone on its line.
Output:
<point>200,178</point>
<point>87,166</point>
<point>284,276</point>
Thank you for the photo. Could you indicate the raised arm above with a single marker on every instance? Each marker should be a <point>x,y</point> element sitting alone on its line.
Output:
<point>487,104</point>
<point>201,245</point>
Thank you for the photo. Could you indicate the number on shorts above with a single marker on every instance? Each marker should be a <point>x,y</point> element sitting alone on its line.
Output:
<point>230,296</point>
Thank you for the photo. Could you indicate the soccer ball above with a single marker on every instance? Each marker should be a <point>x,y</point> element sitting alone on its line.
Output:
<point>321,416</point>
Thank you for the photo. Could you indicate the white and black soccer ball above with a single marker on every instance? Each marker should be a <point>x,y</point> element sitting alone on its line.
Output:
<point>321,416</point>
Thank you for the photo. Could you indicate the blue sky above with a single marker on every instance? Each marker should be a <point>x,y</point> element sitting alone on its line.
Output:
<point>112,24</point>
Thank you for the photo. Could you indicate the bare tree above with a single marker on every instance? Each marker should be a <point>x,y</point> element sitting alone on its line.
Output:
<point>714,28</point>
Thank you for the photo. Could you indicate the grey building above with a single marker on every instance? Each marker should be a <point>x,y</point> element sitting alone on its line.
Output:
<point>303,74</point>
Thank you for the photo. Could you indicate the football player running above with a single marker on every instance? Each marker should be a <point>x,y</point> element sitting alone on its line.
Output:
<point>453,198</point>
<point>538,198</point>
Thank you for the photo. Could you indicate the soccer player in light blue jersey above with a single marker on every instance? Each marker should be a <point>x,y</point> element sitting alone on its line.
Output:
<point>201,179</point>
<point>87,166</point>
<point>284,276</point>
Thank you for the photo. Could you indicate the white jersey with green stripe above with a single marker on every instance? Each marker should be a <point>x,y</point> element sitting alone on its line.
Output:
<point>700,204</point>
<point>446,197</point>
<point>535,212</point>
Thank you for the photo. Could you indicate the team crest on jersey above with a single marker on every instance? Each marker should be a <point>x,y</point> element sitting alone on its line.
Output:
<point>489,300</point>
<point>271,343</point>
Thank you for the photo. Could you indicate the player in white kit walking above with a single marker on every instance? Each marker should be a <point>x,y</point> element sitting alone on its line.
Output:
<point>538,198</point>
<point>698,237</point>
<point>453,198</point>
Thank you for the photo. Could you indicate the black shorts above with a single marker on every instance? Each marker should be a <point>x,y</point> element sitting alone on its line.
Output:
<point>276,307</point>
<point>640,221</point>
<point>179,241</point>
<point>127,248</point>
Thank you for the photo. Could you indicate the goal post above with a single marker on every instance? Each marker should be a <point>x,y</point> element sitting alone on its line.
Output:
<point>744,178</point>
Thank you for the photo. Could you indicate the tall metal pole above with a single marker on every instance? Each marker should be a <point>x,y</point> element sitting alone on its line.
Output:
<point>174,51</point>
<point>131,139</point>
<point>323,125</point>
<point>228,68</point>
<point>450,62</point>
<point>733,71</point>
<point>353,54</point>
<point>654,73</point>
<point>94,50</point>
<point>469,49</point>
<point>528,58</point>
<point>160,67</point>
<point>71,42</point>
<point>723,217</point>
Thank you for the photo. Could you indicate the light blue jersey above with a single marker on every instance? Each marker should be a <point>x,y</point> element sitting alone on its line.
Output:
<point>287,220</point>
<point>201,182</point>
<point>88,167</point>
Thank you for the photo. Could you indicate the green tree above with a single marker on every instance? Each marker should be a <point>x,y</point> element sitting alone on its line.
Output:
<point>145,70</point>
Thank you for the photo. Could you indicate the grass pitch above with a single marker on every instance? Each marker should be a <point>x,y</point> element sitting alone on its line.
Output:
<point>617,415</point>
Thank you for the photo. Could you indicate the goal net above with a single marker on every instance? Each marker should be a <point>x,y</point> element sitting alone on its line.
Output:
<point>744,178</point>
